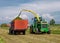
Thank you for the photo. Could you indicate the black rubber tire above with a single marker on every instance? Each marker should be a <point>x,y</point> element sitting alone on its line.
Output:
<point>14,33</point>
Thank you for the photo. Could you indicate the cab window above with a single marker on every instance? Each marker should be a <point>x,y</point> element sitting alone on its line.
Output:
<point>44,25</point>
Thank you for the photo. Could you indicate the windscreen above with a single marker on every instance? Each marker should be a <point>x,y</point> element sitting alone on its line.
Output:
<point>44,25</point>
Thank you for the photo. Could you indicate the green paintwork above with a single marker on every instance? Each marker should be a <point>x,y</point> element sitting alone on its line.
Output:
<point>44,27</point>
<point>41,26</point>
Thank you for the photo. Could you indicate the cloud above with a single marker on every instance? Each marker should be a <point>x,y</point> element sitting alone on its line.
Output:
<point>24,16</point>
<point>47,16</point>
<point>8,18</point>
<point>43,9</point>
<point>0,19</point>
<point>8,11</point>
<point>36,6</point>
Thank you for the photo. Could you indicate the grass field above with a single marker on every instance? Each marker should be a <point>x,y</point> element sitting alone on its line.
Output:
<point>2,40</point>
<point>54,37</point>
<point>55,29</point>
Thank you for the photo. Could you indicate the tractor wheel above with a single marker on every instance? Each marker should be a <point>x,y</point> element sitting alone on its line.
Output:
<point>23,32</point>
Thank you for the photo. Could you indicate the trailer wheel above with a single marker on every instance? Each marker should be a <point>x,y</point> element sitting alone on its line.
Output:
<point>14,32</point>
<point>23,32</point>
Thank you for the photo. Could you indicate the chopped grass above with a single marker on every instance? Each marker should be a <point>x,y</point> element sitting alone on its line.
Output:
<point>1,40</point>
<point>55,32</point>
<point>54,29</point>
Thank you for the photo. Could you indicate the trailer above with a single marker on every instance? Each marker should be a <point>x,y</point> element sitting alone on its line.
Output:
<point>18,25</point>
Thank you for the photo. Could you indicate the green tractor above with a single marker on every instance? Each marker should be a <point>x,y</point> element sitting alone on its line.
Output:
<point>39,26</point>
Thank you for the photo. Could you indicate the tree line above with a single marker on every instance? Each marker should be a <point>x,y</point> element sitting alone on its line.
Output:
<point>52,22</point>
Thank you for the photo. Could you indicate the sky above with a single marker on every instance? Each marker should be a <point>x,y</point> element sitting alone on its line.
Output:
<point>47,9</point>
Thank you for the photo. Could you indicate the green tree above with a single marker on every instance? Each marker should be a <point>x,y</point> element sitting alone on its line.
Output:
<point>4,25</point>
<point>52,22</point>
